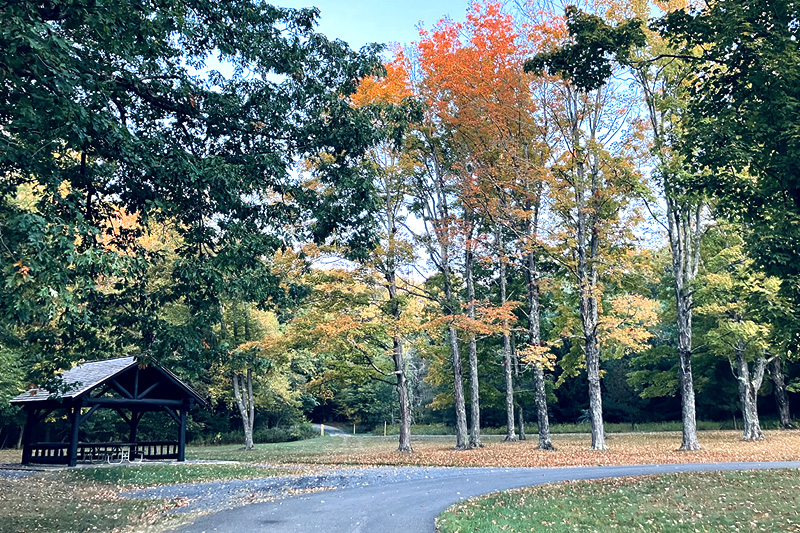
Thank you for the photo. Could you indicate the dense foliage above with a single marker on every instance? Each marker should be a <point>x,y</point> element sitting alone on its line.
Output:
<point>513,208</point>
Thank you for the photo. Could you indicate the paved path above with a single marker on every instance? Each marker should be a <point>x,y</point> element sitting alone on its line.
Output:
<point>332,431</point>
<point>411,506</point>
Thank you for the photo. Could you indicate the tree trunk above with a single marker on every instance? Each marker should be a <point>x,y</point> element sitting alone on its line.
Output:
<point>507,362</point>
<point>455,359</point>
<point>748,394</point>
<point>534,339</point>
<point>475,406</point>
<point>684,238</point>
<point>595,394</point>
<point>398,356</point>
<point>779,390</point>
<point>458,391</point>
<point>245,404</point>
<point>587,250</point>
<point>689,440</point>
<point>437,212</point>
<point>591,348</point>
<point>403,397</point>
<point>521,423</point>
<point>685,231</point>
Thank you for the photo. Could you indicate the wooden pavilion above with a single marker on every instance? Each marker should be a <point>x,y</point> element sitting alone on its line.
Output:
<point>118,384</point>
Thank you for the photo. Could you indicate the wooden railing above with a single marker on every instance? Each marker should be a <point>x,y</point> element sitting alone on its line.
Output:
<point>49,453</point>
<point>157,449</point>
<point>102,452</point>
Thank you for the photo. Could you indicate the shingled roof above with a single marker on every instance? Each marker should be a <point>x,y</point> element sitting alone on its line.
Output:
<point>86,376</point>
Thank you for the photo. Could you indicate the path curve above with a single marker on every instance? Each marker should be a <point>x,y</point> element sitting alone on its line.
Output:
<point>411,506</point>
<point>331,431</point>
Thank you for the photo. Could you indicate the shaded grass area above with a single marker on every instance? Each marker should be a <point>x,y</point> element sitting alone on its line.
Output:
<point>49,502</point>
<point>167,474</point>
<point>765,500</point>
<point>87,499</point>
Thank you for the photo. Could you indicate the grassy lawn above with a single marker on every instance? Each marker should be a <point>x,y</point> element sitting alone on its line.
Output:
<point>153,475</point>
<point>691,502</point>
<point>572,450</point>
<point>52,502</point>
<point>86,499</point>
<point>81,499</point>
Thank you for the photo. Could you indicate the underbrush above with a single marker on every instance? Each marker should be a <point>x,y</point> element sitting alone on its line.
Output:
<point>260,436</point>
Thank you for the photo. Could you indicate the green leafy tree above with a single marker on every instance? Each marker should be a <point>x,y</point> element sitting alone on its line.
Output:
<point>737,299</point>
<point>741,121</point>
<point>111,108</point>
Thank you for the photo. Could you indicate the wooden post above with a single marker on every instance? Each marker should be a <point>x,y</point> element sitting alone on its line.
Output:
<point>135,417</point>
<point>73,440</point>
<point>182,436</point>
<point>27,435</point>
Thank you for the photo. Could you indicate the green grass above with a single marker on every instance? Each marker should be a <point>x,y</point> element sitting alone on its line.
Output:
<point>155,474</point>
<point>690,502</point>
<point>310,450</point>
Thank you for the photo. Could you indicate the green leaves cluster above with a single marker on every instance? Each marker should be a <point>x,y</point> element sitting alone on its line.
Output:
<point>186,114</point>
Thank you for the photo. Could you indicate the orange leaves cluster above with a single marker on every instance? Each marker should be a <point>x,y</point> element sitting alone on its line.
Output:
<point>389,89</point>
<point>626,324</point>
<point>489,318</point>
<point>537,354</point>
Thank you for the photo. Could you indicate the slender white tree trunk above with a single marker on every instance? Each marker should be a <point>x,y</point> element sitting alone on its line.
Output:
<point>587,252</point>
<point>475,404</point>
<point>534,337</point>
<point>507,363</point>
<point>749,385</point>
<point>455,359</point>
<point>684,231</point>
<point>243,393</point>
<point>683,224</point>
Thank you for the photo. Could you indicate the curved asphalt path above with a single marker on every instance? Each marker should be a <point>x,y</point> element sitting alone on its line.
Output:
<point>411,506</point>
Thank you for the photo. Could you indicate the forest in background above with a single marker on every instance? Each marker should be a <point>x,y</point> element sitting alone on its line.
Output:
<point>550,214</point>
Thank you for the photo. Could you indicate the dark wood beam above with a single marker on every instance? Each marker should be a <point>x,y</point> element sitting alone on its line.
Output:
<point>91,410</point>
<point>122,390</point>
<point>148,390</point>
<point>172,414</point>
<point>27,435</point>
<point>133,402</point>
<point>123,415</point>
<point>182,436</point>
<point>73,437</point>
<point>103,391</point>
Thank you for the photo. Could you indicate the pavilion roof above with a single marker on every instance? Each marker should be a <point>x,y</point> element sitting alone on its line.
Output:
<point>84,377</point>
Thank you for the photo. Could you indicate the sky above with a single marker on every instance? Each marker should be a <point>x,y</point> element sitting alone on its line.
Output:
<point>363,21</point>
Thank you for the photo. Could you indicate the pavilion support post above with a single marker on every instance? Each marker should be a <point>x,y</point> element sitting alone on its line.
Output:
<point>73,436</point>
<point>27,436</point>
<point>134,423</point>
<point>182,436</point>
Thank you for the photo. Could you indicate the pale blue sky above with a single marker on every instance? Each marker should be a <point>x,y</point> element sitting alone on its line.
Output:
<point>362,21</point>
